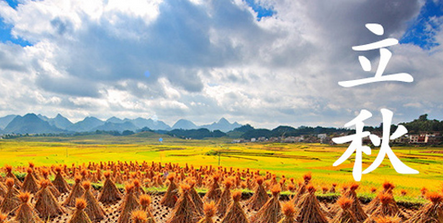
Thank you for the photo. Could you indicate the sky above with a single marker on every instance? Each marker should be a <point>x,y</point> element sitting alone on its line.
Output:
<point>262,62</point>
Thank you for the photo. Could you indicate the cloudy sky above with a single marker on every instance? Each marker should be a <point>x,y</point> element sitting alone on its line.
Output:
<point>253,61</point>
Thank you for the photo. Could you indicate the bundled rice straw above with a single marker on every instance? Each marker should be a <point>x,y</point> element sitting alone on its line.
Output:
<point>80,215</point>
<point>9,174</point>
<point>209,209</point>
<point>225,199</point>
<point>59,182</point>
<point>260,197</point>
<point>332,190</point>
<point>3,189</point>
<point>235,213</point>
<point>24,213</point>
<point>47,205</point>
<point>93,208</point>
<point>387,188</point>
<point>109,193</point>
<point>431,212</point>
<point>214,192</point>
<point>271,211</point>
<point>139,216</point>
<point>196,198</point>
<point>387,207</point>
<point>171,194</point>
<point>138,190</point>
<point>51,187</point>
<point>184,211</point>
<point>11,201</point>
<point>310,209</point>
<point>302,189</point>
<point>289,212</point>
<point>129,204</point>
<point>356,207</point>
<point>77,191</point>
<point>344,215</point>
<point>145,202</point>
<point>30,183</point>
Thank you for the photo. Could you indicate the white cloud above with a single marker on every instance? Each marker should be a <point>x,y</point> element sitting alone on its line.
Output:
<point>209,59</point>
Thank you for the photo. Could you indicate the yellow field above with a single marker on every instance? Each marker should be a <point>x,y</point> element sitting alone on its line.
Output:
<point>291,160</point>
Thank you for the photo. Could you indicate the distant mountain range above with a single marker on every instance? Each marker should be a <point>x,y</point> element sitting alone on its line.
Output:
<point>38,124</point>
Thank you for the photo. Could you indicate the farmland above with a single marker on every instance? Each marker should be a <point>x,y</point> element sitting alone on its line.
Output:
<point>291,160</point>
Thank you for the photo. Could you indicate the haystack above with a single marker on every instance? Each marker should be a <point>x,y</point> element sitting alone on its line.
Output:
<point>344,215</point>
<point>170,197</point>
<point>93,208</point>
<point>309,209</point>
<point>9,174</point>
<point>209,210</point>
<point>47,205</point>
<point>138,190</point>
<point>196,198</point>
<point>51,187</point>
<point>332,189</point>
<point>11,201</point>
<point>109,193</point>
<point>289,211</point>
<point>130,203</point>
<point>235,213</point>
<point>77,191</point>
<point>271,211</point>
<point>25,214</point>
<point>30,183</point>
<point>145,202</point>
<point>214,192</point>
<point>388,187</point>
<point>225,198</point>
<point>356,207</point>
<point>59,182</point>
<point>387,207</point>
<point>260,197</point>
<point>431,212</point>
<point>139,216</point>
<point>184,211</point>
<point>80,215</point>
<point>302,189</point>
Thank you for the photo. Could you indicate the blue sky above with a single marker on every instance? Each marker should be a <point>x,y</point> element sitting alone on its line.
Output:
<point>260,62</point>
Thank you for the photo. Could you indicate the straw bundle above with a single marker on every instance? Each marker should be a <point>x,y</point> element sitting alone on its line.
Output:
<point>196,198</point>
<point>47,205</point>
<point>11,201</point>
<point>80,215</point>
<point>30,183</point>
<point>260,197</point>
<point>387,188</point>
<point>214,192</point>
<point>59,182</point>
<point>139,216</point>
<point>309,208</point>
<point>209,210</point>
<point>184,211</point>
<point>431,212</point>
<point>289,212</point>
<point>77,191</point>
<point>170,197</point>
<point>235,213</point>
<point>387,207</point>
<point>93,208</point>
<point>225,198</point>
<point>24,213</point>
<point>9,174</point>
<point>130,203</point>
<point>344,215</point>
<point>145,202</point>
<point>109,193</point>
<point>271,211</point>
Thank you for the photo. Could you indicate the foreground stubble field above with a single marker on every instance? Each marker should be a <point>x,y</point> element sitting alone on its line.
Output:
<point>291,160</point>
